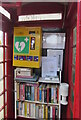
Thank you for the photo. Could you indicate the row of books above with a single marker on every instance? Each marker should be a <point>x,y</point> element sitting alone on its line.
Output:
<point>37,111</point>
<point>35,92</point>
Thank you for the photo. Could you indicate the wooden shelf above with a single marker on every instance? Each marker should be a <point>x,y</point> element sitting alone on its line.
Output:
<point>38,102</point>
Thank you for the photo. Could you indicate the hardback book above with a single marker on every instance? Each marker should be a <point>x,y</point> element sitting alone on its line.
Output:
<point>48,86</point>
<point>51,112</point>
<point>22,92</point>
<point>17,106</point>
<point>42,112</point>
<point>37,111</point>
<point>20,108</point>
<point>52,93</point>
<point>35,95</point>
<point>55,95</point>
<point>56,112</point>
<point>25,110</point>
<point>17,91</point>
<point>32,93</point>
<point>40,93</point>
<point>48,112</point>
<point>28,112</point>
<point>45,94</point>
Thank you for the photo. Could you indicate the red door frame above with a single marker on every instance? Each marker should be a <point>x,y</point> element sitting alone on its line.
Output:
<point>77,98</point>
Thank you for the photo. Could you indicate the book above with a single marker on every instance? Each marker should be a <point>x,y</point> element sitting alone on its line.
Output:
<point>52,93</point>
<point>56,112</point>
<point>45,94</point>
<point>20,108</point>
<point>32,93</point>
<point>17,107</point>
<point>51,112</point>
<point>40,111</point>
<point>48,93</point>
<point>17,87</point>
<point>28,113</point>
<point>48,112</point>
<point>55,96</point>
<point>37,111</point>
<point>22,92</point>
<point>35,95</point>
<point>25,106</point>
<point>40,93</point>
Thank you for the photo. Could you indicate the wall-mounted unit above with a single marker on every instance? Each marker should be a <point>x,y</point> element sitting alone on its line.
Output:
<point>27,47</point>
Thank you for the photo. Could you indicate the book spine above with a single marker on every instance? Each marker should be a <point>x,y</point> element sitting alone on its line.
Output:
<point>43,94</point>
<point>37,113</point>
<point>17,104</point>
<point>34,110</point>
<point>17,91</point>
<point>51,112</point>
<point>42,116</point>
<point>56,112</point>
<point>46,112</point>
<point>23,108</point>
<point>55,97</point>
<point>37,93</point>
<point>26,92</point>
<point>23,92</point>
<point>20,108</point>
<point>28,110</point>
<point>32,93</point>
<point>40,93</point>
<point>25,111</point>
<point>47,94</point>
<point>52,94</point>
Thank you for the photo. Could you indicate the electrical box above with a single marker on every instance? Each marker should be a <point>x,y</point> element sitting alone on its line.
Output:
<point>27,46</point>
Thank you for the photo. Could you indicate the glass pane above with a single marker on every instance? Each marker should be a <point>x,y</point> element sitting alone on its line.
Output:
<point>1,101</point>
<point>6,110</point>
<point>1,54</point>
<point>72,95</point>
<point>5,68</point>
<point>5,82</point>
<point>5,38</point>
<point>1,38</point>
<point>74,36</point>
<point>1,86</point>
<point>1,70</point>
<point>2,114</point>
<point>5,97</point>
<point>5,53</point>
<point>73,75</point>
<point>74,55</point>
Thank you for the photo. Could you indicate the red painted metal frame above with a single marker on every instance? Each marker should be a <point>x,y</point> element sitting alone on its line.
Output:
<point>4,68</point>
<point>77,69</point>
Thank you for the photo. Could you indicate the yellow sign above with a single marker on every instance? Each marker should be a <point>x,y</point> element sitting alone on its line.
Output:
<point>27,47</point>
